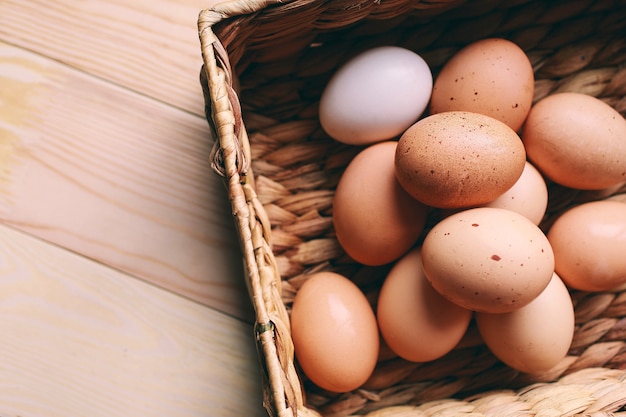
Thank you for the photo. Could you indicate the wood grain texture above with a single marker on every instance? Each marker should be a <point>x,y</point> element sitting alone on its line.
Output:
<point>81,339</point>
<point>149,46</point>
<point>117,177</point>
<point>105,190</point>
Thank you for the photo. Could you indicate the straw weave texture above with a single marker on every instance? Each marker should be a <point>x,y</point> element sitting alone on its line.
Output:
<point>265,66</point>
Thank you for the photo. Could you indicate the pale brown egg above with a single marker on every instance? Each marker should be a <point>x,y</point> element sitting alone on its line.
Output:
<point>488,259</point>
<point>415,321</point>
<point>492,76</point>
<point>334,332</point>
<point>589,243</point>
<point>621,197</point>
<point>536,337</point>
<point>577,140</point>
<point>458,159</point>
<point>376,221</point>
<point>528,196</point>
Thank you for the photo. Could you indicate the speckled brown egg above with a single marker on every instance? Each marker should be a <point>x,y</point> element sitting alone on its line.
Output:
<point>488,259</point>
<point>492,76</point>
<point>458,159</point>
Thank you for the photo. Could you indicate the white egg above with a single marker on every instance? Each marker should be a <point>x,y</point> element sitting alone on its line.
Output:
<point>375,96</point>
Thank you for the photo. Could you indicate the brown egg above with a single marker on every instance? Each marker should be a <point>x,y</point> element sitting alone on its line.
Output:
<point>528,196</point>
<point>536,337</point>
<point>492,77</point>
<point>488,259</point>
<point>334,332</point>
<point>458,159</point>
<point>577,140</point>
<point>589,243</point>
<point>375,219</point>
<point>416,322</point>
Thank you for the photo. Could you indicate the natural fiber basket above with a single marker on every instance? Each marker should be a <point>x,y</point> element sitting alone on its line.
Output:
<point>265,66</point>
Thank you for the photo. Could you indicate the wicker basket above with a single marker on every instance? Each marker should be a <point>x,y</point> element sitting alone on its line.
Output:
<point>265,65</point>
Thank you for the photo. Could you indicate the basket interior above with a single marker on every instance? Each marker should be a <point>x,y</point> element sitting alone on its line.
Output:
<point>281,58</point>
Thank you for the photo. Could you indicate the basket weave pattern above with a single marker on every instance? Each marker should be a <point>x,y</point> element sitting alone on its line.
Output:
<point>265,66</point>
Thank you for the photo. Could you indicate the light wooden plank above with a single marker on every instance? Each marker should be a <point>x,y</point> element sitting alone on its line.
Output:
<point>117,177</point>
<point>150,46</point>
<point>81,339</point>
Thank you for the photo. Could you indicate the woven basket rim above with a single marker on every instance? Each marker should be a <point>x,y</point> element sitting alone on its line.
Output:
<point>230,159</point>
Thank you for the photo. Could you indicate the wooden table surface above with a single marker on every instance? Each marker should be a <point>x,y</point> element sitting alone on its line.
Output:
<point>121,285</point>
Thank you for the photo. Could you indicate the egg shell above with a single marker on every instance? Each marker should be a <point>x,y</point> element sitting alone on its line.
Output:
<point>488,259</point>
<point>375,96</point>
<point>528,196</point>
<point>415,321</point>
<point>458,159</point>
<point>536,337</point>
<point>376,221</point>
<point>589,243</point>
<point>492,76</point>
<point>577,140</point>
<point>620,197</point>
<point>334,332</point>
